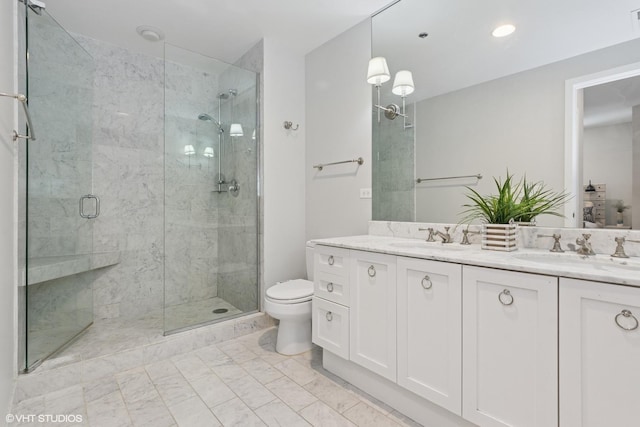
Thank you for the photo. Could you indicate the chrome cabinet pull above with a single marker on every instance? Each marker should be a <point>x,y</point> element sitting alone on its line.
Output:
<point>89,216</point>
<point>426,282</point>
<point>329,316</point>
<point>329,287</point>
<point>371,271</point>
<point>330,261</point>
<point>627,314</point>
<point>505,297</point>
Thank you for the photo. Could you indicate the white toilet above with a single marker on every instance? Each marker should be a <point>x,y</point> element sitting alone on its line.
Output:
<point>290,302</point>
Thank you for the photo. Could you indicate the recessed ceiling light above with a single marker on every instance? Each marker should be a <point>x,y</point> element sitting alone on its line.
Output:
<point>151,34</point>
<point>503,30</point>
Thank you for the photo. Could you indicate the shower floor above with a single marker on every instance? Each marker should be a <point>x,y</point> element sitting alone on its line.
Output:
<point>193,313</point>
<point>110,336</point>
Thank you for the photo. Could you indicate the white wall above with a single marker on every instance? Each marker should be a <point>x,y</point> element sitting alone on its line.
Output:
<point>607,159</point>
<point>338,128</point>
<point>283,164</point>
<point>7,206</point>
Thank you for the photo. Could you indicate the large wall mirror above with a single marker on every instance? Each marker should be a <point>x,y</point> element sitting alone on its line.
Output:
<point>483,105</point>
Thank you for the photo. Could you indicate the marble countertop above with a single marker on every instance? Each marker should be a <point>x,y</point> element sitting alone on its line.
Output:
<point>601,268</point>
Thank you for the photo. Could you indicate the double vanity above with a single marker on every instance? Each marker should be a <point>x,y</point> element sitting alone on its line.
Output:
<point>452,335</point>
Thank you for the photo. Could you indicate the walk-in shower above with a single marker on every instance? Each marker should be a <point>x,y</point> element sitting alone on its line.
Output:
<point>176,242</point>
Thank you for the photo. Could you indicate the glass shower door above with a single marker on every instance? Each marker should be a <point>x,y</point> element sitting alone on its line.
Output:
<point>211,193</point>
<point>59,78</point>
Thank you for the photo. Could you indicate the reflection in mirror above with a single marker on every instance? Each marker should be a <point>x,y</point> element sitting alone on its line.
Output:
<point>483,105</point>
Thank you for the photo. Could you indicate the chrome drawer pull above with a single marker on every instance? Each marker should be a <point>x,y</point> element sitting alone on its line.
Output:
<point>330,287</point>
<point>330,260</point>
<point>507,299</point>
<point>329,316</point>
<point>426,280</point>
<point>627,314</point>
<point>371,271</point>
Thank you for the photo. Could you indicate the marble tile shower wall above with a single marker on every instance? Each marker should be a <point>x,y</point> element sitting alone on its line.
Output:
<point>238,214</point>
<point>191,216</point>
<point>128,177</point>
<point>393,172</point>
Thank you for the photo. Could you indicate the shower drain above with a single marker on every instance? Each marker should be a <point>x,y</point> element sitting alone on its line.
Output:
<point>220,310</point>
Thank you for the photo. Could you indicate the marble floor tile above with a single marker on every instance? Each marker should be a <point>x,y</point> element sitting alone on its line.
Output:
<point>291,393</point>
<point>332,394</point>
<point>252,393</point>
<point>297,372</point>
<point>235,413</point>
<point>261,370</point>
<point>212,390</point>
<point>319,414</point>
<point>193,413</point>
<point>108,411</point>
<point>364,415</point>
<point>191,366</point>
<point>241,382</point>
<point>277,414</point>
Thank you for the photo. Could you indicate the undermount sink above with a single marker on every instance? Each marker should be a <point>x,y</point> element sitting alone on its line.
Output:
<point>595,262</point>
<point>421,244</point>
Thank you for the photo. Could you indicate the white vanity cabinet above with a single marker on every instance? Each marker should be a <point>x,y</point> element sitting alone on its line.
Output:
<point>599,354</point>
<point>430,330</point>
<point>372,312</point>
<point>510,342</point>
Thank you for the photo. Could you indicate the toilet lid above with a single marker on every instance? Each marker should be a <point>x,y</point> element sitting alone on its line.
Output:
<point>291,290</point>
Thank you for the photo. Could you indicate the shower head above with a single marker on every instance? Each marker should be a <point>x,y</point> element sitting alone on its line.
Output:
<point>207,118</point>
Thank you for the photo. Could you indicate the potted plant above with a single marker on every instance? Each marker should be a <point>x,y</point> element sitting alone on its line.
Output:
<point>620,207</point>
<point>514,202</point>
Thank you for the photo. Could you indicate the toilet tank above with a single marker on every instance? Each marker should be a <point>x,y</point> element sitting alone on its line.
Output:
<point>310,248</point>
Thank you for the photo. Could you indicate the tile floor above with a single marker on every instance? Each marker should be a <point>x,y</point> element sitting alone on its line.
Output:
<point>239,382</point>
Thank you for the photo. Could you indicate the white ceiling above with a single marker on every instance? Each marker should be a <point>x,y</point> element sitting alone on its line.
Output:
<point>611,103</point>
<point>460,51</point>
<point>222,29</point>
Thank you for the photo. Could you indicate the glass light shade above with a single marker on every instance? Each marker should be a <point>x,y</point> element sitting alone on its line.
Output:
<point>208,152</point>
<point>236,130</point>
<point>253,135</point>
<point>189,150</point>
<point>378,71</point>
<point>403,83</point>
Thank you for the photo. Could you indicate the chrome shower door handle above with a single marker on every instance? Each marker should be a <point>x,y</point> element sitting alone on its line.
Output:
<point>97,212</point>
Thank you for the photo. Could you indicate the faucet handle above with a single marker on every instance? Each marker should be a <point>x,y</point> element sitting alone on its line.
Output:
<point>619,253</point>
<point>556,242</point>
<point>430,230</point>
<point>465,236</point>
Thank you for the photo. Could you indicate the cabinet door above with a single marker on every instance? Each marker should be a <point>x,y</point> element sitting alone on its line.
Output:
<point>599,359</point>
<point>430,330</point>
<point>373,312</point>
<point>510,358</point>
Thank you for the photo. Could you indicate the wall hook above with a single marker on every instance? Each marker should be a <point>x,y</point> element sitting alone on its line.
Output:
<point>289,126</point>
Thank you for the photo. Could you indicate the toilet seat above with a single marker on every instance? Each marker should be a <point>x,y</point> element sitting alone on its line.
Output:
<point>291,292</point>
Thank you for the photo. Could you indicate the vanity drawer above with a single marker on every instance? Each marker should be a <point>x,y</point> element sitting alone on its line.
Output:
<point>331,260</point>
<point>330,326</point>
<point>331,287</point>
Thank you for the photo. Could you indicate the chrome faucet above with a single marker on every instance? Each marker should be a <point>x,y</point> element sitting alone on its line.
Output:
<point>584,245</point>
<point>430,230</point>
<point>619,253</point>
<point>446,237</point>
